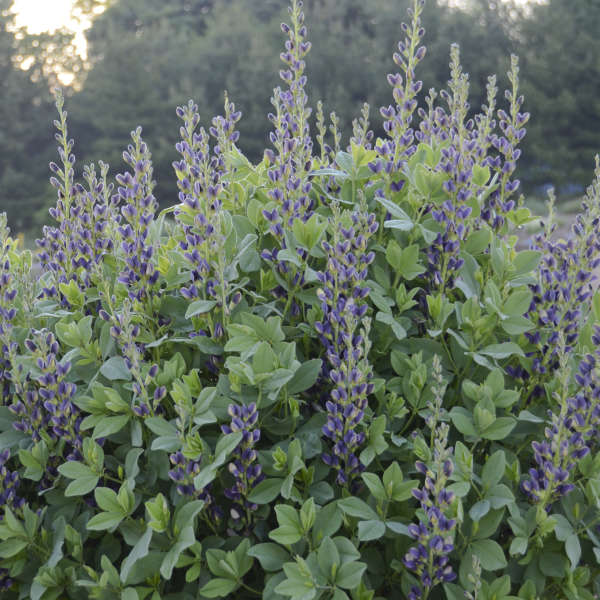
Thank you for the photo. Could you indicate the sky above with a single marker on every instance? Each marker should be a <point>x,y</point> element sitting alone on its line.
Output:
<point>49,15</point>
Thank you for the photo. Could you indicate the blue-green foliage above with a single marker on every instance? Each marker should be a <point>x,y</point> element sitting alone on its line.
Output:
<point>328,375</point>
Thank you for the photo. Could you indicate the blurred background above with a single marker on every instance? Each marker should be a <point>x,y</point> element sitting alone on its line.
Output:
<point>127,62</point>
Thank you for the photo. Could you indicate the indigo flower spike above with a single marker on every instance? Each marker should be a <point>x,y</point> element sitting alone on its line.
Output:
<point>138,206</point>
<point>59,246</point>
<point>247,473</point>
<point>405,88</point>
<point>343,302</point>
<point>564,287</point>
<point>183,472</point>
<point>512,127</point>
<point>9,483</point>
<point>428,558</point>
<point>571,434</point>
<point>8,312</point>
<point>291,135</point>
<point>49,405</point>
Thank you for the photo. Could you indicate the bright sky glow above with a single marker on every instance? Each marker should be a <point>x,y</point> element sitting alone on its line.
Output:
<point>43,15</point>
<point>50,15</point>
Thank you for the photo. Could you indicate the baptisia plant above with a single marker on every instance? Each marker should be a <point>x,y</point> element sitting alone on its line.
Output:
<point>329,375</point>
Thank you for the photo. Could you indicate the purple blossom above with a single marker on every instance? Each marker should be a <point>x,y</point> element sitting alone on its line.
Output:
<point>9,483</point>
<point>138,205</point>
<point>8,312</point>
<point>49,405</point>
<point>435,533</point>
<point>183,472</point>
<point>562,293</point>
<point>292,159</point>
<point>343,303</point>
<point>571,435</point>
<point>405,87</point>
<point>246,471</point>
<point>202,188</point>
<point>512,127</point>
<point>458,159</point>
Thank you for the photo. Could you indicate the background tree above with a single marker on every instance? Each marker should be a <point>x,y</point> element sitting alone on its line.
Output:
<point>26,136</point>
<point>560,47</point>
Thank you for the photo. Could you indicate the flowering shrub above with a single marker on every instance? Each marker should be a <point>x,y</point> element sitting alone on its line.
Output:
<point>328,375</point>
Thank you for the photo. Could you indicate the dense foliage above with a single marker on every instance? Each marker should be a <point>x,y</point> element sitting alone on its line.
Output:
<point>330,374</point>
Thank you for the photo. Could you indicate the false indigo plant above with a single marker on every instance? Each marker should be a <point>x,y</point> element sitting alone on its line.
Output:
<point>434,534</point>
<point>228,399</point>
<point>247,473</point>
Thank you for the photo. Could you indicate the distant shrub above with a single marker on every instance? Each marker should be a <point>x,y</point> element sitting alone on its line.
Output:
<point>328,375</point>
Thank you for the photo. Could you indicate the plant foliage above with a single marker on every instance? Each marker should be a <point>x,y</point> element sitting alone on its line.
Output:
<point>331,374</point>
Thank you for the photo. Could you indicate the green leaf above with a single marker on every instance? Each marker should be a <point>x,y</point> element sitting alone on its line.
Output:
<point>270,556</point>
<point>185,540</point>
<point>525,262</point>
<point>409,266</point>
<point>500,496</point>
<point>393,209</point>
<point>12,547</point>
<point>516,325</point>
<point>266,491</point>
<point>503,350</point>
<point>298,585</point>
<point>115,368</point>
<point>160,427</point>
<point>74,470</point>
<point>305,376</point>
<point>159,512</point>
<point>199,307</point>
<point>290,529</point>
<point>518,303</point>
<point>34,470</point>
<point>327,522</point>
<point>185,514</point>
<point>499,429</point>
<point>493,470</point>
<point>264,359</point>
<point>104,520</point>
<point>355,507</point>
<point>138,552</point>
<point>573,549</point>
<point>481,175</point>
<point>218,588</point>
<point>518,546</point>
<point>553,564</point>
<point>109,425</point>
<point>350,574</point>
<point>82,485</point>
<point>370,530</point>
<point>490,554</point>
<point>375,486</point>
<point>388,319</point>
<point>107,500</point>
<point>463,421</point>
<point>479,510</point>
<point>328,558</point>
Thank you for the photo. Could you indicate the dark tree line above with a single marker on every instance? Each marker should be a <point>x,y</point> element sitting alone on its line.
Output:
<point>145,57</point>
